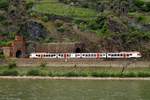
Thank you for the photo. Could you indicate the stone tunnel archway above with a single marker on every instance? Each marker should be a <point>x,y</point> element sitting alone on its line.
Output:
<point>18,54</point>
<point>78,50</point>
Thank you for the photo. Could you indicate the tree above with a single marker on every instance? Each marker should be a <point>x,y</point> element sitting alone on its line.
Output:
<point>17,13</point>
<point>120,7</point>
<point>4,3</point>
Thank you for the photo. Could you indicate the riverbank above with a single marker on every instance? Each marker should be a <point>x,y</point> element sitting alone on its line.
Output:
<point>75,72</point>
<point>12,69</point>
<point>72,78</point>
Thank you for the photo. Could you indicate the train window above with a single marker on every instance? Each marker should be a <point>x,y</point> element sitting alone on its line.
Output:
<point>112,54</point>
<point>139,54</point>
<point>127,54</point>
<point>130,54</point>
<point>121,55</point>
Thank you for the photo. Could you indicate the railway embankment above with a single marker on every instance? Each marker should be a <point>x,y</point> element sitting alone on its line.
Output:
<point>81,63</point>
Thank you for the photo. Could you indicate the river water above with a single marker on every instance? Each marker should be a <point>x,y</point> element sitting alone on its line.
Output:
<point>73,90</point>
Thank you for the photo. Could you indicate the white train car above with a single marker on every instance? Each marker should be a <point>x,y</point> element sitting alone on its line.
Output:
<point>119,55</point>
<point>43,55</point>
<point>94,55</point>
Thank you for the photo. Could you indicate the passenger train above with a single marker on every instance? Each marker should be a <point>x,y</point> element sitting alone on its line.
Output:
<point>119,55</point>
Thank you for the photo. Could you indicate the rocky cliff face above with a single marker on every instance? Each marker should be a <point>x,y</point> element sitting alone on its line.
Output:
<point>33,30</point>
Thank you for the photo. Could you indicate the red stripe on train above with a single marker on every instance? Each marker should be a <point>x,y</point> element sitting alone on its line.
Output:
<point>98,55</point>
<point>65,55</point>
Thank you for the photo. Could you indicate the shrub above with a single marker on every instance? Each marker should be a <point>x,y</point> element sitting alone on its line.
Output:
<point>33,14</point>
<point>72,74</point>
<point>2,18</point>
<point>139,3</point>
<point>4,3</point>
<point>43,73</point>
<point>43,65</point>
<point>12,65</point>
<point>146,7</point>
<point>61,29</point>
<point>84,74</point>
<point>49,39</point>
<point>45,18</point>
<point>100,74</point>
<point>129,74</point>
<point>50,74</point>
<point>33,72</point>
<point>10,73</point>
<point>59,23</point>
<point>5,42</point>
<point>143,74</point>
<point>29,5</point>
<point>140,18</point>
<point>2,55</point>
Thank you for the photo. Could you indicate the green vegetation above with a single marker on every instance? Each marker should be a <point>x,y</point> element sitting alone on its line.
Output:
<point>43,65</point>
<point>4,3</point>
<point>12,65</point>
<point>139,3</point>
<point>143,18</point>
<point>144,5</point>
<point>9,72</point>
<point>56,8</point>
<point>1,55</point>
<point>75,72</point>
<point>33,72</point>
<point>5,42</point>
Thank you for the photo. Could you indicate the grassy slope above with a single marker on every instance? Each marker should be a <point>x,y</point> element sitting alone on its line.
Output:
<point>54,7</point>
